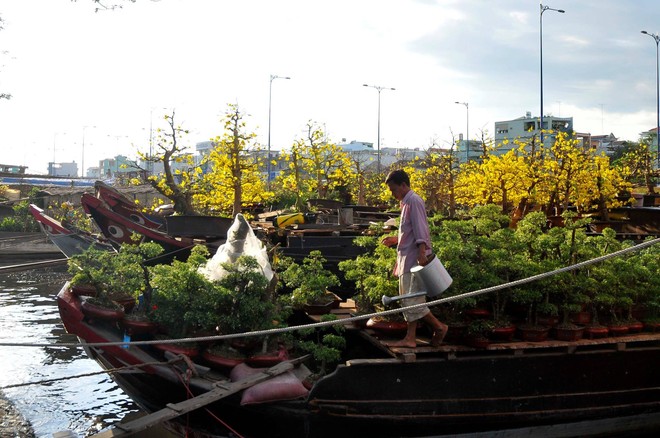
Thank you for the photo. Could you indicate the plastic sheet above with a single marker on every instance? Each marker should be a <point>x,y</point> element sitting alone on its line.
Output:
<point>241,240</point>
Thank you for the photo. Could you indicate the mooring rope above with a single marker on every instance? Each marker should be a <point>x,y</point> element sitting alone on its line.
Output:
<point>321,324</point>
<point>94,373</point>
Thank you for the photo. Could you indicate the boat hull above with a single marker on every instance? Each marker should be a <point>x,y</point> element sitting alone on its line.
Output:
<point>460,391</point>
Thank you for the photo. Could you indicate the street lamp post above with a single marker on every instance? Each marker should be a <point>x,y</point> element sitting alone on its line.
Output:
<point>270,100</point>
<point>379,89</point>
<point>543,9</point>
<point>82,159</point>
<point>467,131</point>
<point>656,37</point>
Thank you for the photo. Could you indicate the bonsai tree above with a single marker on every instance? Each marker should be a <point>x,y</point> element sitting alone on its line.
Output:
<point>324,344</point>
<point>247,304</point>
<point>88,268</point>
<point>468,249</point>
<point>310,280</point>
<point>372,274</point>
<point>184,300</point>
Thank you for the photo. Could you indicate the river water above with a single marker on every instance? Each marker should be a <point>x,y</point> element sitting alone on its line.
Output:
<point>28,314</point>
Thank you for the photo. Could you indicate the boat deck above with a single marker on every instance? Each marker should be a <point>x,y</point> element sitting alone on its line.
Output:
<point>516,347</point>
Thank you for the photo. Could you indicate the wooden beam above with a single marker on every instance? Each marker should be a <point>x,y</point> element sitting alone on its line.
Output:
<point>173,410</point>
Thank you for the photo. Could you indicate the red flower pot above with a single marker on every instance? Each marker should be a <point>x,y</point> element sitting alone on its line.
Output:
<point>618,330</point>
<point>138,326</point>
<point>583,318</point>
<point>635,327</point>
<point>476,341</point>
<point>595,332</point>
<point>652,326</point>
<point>503,334</point>
<point>393,328</point>
<point>534,334</point>
<point>569,334</point>
<point>96,312</point>
<point>83,290</point>
<point>221,362</point>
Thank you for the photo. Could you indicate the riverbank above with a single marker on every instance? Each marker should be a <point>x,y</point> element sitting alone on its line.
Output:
<point>12,423</point>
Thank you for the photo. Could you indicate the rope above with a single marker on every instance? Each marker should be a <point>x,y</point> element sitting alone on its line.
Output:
<point>321,324</point>
<point>77,376</point>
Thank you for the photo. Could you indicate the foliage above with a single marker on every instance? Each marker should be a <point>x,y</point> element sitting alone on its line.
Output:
<point>436,180</point>
<point>316,167</point>
<point>480,328</point>
<point>184,300</point>
<point>22,220</point>
<point>233,177</point>
<point>325,344</point>
<point>372,273</point>
<point>309,280</point>
<point>556,177</point>
<point>71,216</point>
<point>180,186</point>
<point>248,304</point>
<point>115,275</point>
<point>637,164</point>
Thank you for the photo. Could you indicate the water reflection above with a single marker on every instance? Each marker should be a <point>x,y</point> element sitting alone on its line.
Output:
<point>28,313</point>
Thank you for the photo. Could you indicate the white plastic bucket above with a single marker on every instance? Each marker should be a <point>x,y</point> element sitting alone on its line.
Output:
<point>434,276</point>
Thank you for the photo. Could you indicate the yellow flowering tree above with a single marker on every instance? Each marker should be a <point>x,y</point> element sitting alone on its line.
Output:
<point>316,167</point>
<point>234,175</point>
<point>637,164</point>
<point>436,180</point>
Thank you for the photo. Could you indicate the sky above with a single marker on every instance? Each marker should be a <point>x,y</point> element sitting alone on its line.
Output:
<point>89,85</point>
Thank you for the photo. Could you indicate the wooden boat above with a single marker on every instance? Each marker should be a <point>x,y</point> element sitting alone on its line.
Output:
<point>120,204</point>
<point>118,229</point>
<point>67,239</point>
<point>558,388</point>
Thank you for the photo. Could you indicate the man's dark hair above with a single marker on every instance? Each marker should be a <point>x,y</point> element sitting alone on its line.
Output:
<point>398,177</point>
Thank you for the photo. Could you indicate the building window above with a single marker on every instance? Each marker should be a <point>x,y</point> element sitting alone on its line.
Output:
<point>530,126</point>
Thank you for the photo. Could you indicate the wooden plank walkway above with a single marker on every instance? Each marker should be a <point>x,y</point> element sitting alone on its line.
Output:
<point>173,410</point>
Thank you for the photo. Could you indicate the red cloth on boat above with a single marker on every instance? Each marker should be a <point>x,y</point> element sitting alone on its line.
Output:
<point>286,386</point>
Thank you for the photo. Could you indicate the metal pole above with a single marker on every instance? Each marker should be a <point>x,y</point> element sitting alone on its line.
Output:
<point>379,89</point>
<point>656,37</point>
<point>378,132</point>
<point>543,9</point>
<point>270,99</point>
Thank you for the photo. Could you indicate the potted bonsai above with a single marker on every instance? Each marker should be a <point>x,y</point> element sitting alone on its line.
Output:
<point>372,274</point>
<point>184,301</point>
<point>310,282</point>
<point>248,304</point>
<point>91,272</point>
<point>478,333</point>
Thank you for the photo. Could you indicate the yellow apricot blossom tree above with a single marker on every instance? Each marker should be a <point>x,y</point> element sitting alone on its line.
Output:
<point>234,175</point>
<point>316,167</point>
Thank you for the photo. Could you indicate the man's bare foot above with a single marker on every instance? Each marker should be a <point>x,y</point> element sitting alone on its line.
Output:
<point>401,343</point>
<point>439,335</point>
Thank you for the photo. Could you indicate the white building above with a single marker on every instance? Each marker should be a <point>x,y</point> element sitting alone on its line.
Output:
<point>63,169</point>
<point>526,127</point>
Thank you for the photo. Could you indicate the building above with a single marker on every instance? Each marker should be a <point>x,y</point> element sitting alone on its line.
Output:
<point>473,152</point>
<point>63,169</point>
<point>12,168</point>
<point>525,128</point>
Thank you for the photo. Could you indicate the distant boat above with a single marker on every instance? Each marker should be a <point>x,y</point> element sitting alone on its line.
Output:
<point>69,240</point>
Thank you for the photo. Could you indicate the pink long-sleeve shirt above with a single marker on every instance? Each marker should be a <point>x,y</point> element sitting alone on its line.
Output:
<point>413,230</point>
